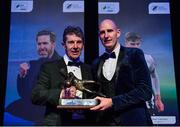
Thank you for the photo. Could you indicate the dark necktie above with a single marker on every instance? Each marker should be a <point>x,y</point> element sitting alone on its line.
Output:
<point>109,55</point>
<point>77,64</point>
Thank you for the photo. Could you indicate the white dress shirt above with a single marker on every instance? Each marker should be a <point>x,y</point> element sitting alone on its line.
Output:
<point>109,66</point>
<point>76,71</point>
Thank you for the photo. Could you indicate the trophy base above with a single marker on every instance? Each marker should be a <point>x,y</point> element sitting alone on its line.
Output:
<point>77,103</point>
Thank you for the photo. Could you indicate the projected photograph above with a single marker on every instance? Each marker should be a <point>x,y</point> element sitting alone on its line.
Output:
<point>143,24</point>
<point>149,23</point>
<point>28,18</point>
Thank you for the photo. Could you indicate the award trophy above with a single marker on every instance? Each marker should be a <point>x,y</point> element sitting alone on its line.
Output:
<point>80,85</point>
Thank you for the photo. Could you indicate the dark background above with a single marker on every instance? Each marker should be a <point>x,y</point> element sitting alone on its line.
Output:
<point>91,34</point>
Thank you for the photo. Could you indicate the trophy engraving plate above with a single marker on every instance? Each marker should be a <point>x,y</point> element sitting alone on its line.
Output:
<point>77,103</point>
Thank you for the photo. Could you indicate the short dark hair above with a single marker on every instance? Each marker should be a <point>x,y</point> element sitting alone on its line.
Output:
<point>47,32</point>
<point>69,30</point>
<point>132,36</point>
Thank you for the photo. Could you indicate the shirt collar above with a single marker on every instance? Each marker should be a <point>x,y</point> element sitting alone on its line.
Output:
<point>67,59</point>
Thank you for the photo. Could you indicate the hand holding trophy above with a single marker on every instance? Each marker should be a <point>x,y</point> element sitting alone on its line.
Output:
<point>68,93</point>
<point>68,97</point>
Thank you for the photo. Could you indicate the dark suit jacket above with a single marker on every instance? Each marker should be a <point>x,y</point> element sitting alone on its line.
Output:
<point>27,110</point>
<point>48,88</point>
<point>132,88</point>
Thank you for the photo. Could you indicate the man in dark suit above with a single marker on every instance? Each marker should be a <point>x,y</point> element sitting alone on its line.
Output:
<point>50,86</point>
<point>125,81</point>
<point>27,77</point>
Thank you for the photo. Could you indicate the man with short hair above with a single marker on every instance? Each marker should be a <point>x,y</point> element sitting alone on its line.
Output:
<point>50,86</point>
<point>27,78</point>
<point>46,42</point>
<point>125,80</point>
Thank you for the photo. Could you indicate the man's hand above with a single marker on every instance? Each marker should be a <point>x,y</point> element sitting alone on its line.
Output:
<point>159,104</point>
<point>23,69</point>
<point>105,103</point>
<point>68,93</point>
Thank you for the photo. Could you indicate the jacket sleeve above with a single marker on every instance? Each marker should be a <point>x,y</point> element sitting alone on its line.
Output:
<point>43,93</point>
<point>22,85</point>
<point>142,90</point>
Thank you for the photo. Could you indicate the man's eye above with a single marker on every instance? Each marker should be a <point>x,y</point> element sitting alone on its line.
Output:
<point>79,42</point>
<point>109,30</point>
<point>70,42</point>
<point>45,43</point>
<point>101,32</point>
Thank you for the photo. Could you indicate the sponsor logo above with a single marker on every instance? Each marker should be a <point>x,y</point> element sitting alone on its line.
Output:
<point>21,6</point>
<point>73,6</point>
<point>108,7</point>
<point>159,8</point>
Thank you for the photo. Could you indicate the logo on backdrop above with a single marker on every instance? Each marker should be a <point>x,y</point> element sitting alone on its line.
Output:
<point>108,7</point>
<point>73,6</point>
<point>22,6</point>
<point>159,8</point>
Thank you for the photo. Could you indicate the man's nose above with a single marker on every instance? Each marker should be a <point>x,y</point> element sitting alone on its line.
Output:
<point>75,45</point>
<point>106,34</point>
<point>41,46</point>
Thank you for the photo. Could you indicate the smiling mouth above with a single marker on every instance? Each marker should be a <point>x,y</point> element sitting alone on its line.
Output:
<point>75,52</point>
<point>107,41</point>
<point>42,52</point>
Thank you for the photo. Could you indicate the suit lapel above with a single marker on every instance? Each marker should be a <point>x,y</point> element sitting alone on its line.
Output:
<point>120,57</point>
<point>100,66</point>
<point>119,63</point>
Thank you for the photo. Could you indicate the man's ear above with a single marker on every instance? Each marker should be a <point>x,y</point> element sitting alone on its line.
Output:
<point>118,33</point>
<point>53,44</point>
